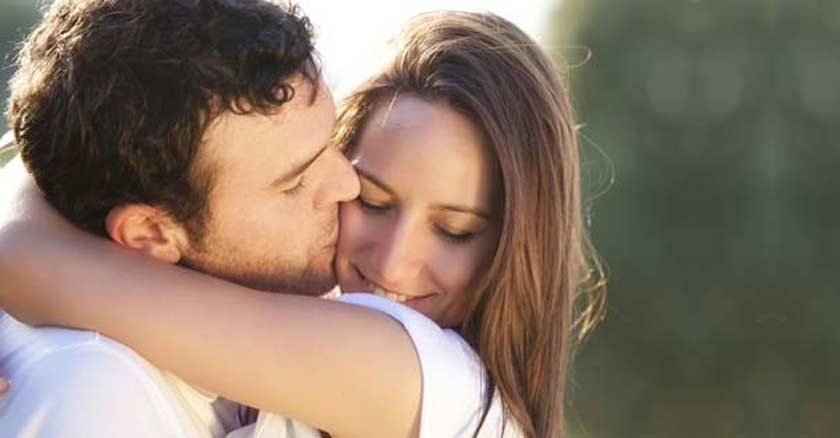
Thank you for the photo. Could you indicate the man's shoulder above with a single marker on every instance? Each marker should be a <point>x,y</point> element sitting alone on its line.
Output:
<point>87,356</point>
<point>23,347</point>
<point>70,380</point>
<point>52,362</point>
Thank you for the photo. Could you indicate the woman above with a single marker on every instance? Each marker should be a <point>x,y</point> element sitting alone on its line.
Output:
<point>469,215</point>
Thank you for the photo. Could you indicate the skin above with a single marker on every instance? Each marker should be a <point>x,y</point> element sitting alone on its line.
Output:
<point>273,211</point>
<point>288,223</point>
<point>193,324</point>
<point>238,341</point>
<point>425,223</point>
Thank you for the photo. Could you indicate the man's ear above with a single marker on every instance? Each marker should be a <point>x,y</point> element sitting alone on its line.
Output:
<point>147,229</point>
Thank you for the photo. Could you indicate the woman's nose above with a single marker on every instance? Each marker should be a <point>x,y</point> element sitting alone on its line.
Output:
<point>400,255</point>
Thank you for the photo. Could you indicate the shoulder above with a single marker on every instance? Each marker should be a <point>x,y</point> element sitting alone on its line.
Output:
<point>74,383</point>
<point>430,340</point>
<point>454,379</point>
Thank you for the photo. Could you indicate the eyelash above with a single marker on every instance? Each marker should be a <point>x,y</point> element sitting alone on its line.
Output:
<point>455,238</point>
<point>446,235</point>
<point>372,208</point>
<point>297,188</point>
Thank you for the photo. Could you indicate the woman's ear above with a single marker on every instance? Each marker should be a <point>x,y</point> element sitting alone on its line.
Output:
<point>147,229</point>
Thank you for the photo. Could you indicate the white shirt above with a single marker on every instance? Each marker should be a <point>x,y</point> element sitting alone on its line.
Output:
<point>454,383</point>
<point>72,383</point>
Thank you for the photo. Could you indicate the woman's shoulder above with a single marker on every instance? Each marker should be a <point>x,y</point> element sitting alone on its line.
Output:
<point>454,378</point>
<point>434,345</point>
<point>428,337</point>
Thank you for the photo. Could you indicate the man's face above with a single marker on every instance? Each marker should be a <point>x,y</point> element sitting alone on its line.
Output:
<point>272,218</point>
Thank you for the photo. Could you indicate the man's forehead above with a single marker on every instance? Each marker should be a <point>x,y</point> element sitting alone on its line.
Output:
<point>277,141</point>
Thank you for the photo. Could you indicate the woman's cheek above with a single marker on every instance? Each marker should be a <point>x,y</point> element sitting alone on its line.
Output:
<point>456,267</point>
<point>350,246</point>
<point>475,260</point>
<point>351,224</point>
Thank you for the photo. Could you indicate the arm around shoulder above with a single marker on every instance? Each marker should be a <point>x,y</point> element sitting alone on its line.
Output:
<point>35,240</point>
<point>345,370</point>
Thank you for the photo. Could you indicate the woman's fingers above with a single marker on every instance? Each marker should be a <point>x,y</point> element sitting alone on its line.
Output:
<point>4,385</point>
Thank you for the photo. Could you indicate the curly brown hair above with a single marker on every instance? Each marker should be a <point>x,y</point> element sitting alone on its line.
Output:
<point>111,98</point>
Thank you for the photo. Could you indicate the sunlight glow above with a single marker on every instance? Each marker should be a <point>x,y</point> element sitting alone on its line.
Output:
<point>352,34</point>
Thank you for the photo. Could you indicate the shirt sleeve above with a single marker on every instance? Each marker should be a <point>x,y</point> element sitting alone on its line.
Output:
<point>86,392</point>
<point>453,376</point>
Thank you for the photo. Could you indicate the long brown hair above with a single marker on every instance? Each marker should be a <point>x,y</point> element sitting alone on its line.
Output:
<point>522,318</point>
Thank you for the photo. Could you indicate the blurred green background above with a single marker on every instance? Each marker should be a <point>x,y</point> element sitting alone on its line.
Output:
<point>712,129</point>
<point>721,121</point>
<point>16,19</point>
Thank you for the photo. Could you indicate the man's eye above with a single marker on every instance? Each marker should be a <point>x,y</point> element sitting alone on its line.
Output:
<point>372,207</point>
<point>455,237</point>
<point>297,188</point>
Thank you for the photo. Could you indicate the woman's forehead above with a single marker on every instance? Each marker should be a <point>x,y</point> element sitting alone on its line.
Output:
<point>427,150</point>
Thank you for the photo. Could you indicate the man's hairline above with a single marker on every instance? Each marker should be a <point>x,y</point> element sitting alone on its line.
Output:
<point>207,167</point>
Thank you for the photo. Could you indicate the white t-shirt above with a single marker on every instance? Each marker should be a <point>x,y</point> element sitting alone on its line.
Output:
<point>454,383</point>
<point>72,383</point>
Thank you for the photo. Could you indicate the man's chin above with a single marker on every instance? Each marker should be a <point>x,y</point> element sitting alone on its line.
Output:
<point>309,285</point>
<point>310,281</point>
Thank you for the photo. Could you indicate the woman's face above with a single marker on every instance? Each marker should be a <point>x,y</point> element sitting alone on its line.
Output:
<point>425,224</point>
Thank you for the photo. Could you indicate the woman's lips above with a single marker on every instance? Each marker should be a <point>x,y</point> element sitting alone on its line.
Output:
<point>386,293</point>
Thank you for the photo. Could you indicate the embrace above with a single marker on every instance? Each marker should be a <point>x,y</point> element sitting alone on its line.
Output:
<point>232,254</point>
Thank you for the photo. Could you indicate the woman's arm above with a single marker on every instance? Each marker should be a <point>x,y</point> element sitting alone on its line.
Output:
<point>347,370</point>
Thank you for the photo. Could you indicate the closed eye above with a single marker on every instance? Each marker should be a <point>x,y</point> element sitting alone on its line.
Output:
<point>372,207</point>
<point>454,237</point>
<point>297,188</point>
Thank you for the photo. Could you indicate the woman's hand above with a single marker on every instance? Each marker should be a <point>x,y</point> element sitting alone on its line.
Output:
<point>4,385</point>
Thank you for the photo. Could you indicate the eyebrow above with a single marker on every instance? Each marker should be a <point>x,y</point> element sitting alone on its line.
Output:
<point>463,209</point>
<point>297,170</point>
<point>376,181</point>
<point>458,208</point>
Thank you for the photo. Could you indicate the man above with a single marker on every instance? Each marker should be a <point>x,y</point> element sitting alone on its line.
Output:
<point>195,132</point>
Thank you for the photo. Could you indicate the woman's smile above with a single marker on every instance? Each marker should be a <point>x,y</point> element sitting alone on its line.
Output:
<point>370,285</point>
<point>425,223</point>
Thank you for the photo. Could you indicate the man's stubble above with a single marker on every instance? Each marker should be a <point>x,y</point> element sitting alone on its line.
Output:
<point>312,274</point>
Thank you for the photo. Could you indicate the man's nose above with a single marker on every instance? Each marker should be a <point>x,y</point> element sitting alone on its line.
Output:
<point>341,183</point>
